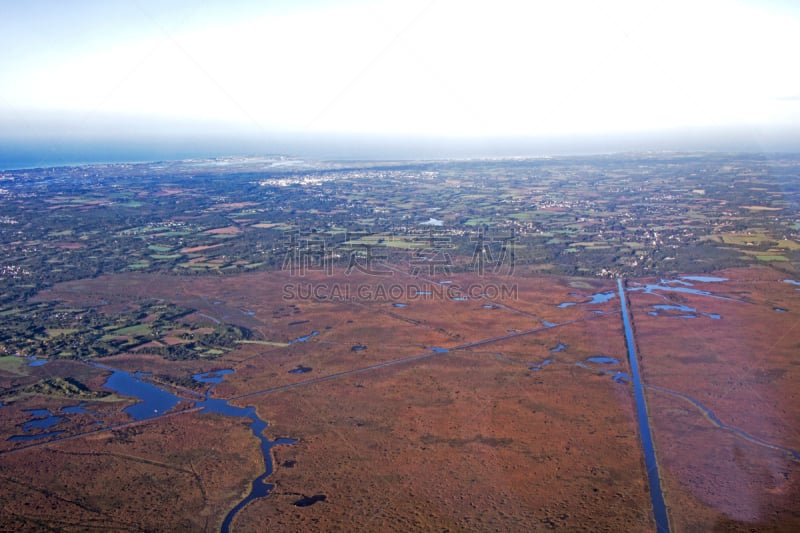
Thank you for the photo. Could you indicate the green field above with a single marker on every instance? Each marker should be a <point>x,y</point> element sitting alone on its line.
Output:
<point>133,331</point>
<point>13,365</point>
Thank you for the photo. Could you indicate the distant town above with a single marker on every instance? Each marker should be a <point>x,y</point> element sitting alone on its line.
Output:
<point>252,343</point>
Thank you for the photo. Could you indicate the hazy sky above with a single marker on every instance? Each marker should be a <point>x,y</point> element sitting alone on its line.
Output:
<point>435,68</point>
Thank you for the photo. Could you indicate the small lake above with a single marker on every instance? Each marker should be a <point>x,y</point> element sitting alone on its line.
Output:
<point>307,501</point>
<point>44,419</point>
<point>704,279</point>
<point>602,297</point>
<point>155,402</point>
<point>594,299</point>
<point>76,409</point>
<point>684,308</point>
<point>603,360</point>
<point>304,338</point>
<point>664,287</point>
<point>694,313</point>
<point>36,428</point>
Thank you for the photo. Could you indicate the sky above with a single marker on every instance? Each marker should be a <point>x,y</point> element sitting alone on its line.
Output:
<point>286,74</point>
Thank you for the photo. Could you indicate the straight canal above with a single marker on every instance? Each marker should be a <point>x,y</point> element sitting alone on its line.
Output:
<point>651,464</point>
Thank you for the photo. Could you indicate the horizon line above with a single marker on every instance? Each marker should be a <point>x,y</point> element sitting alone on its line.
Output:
<point>244,157</point>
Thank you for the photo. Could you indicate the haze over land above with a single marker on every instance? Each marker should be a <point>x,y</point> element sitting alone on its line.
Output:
<point>95,81</point>
<point>467,374</point>
<point>413,266</point>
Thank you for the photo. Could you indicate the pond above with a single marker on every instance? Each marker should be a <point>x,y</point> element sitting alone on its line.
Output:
<point>307,501</point>
<point>601,298</point>
<point>704,279</point>
<point>665,287</point>
<point>155,402</point>
<point>76,409</point>
<point>304,338</point>
<point>684,308</point>
<point>41,419</point>
<point>693,313</point>
<point>213,377</point>
<point>603,360</point>
<point>44,419</point>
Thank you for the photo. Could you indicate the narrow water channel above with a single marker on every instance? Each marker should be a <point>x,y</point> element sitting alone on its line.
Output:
<point>651,464</point>
<point>156,401</point>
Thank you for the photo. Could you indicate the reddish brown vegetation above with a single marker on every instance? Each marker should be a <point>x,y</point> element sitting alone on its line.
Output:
<point>743,367</point>
<point>471,439</point>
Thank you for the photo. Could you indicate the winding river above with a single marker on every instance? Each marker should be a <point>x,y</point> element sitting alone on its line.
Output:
<point>709,414</point>
<point>156,402</point>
